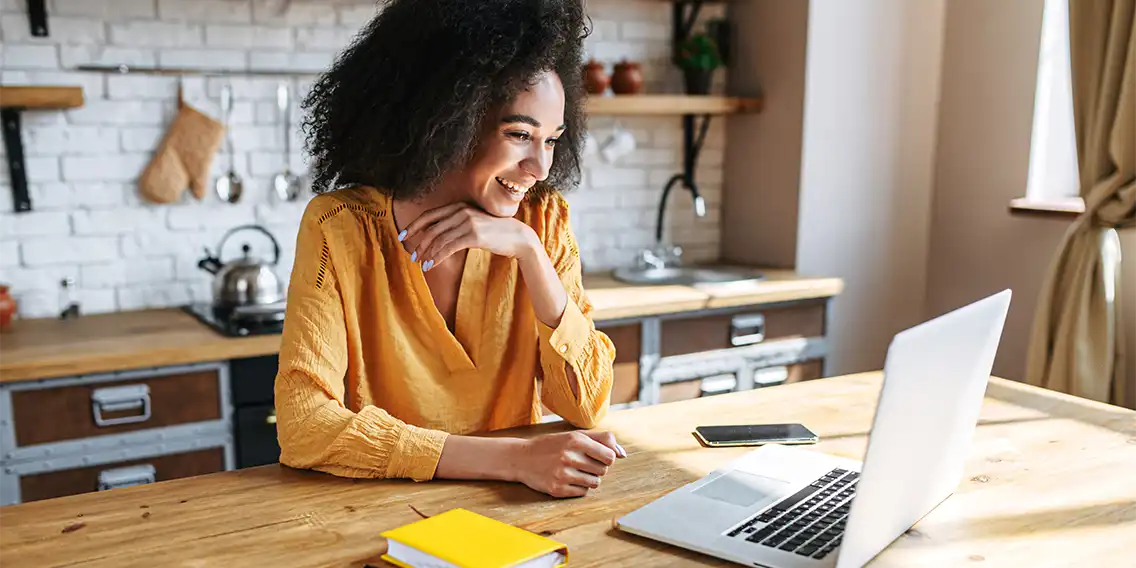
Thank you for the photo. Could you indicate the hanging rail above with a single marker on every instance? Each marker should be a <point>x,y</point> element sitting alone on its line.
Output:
<point>145,70</point>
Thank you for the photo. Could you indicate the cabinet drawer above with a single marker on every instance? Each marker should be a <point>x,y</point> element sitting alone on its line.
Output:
<point>625,383</point>
<point>697,388</point>
<point>61,483</point>
<point>804,371</point>
<point>707,333</point>
<point>42,416</point>
<point>627,341</point>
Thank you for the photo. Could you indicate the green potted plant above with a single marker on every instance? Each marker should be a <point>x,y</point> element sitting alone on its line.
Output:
<point>698,56</point>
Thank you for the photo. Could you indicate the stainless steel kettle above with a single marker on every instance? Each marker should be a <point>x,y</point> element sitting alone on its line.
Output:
<point>245,281</point>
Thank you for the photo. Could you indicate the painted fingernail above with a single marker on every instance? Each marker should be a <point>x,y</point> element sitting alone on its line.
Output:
<point>413,256</point>
<point>428,265</point>
<point>402,236</point>
<point>622,452</point>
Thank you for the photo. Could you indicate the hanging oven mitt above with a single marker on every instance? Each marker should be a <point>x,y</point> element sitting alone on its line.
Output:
<point>184,157</point>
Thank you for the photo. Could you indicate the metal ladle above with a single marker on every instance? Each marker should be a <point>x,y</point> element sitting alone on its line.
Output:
<point>286,183</point>
<point>229,186</point>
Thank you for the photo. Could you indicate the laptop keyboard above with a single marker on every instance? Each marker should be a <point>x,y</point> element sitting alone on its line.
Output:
<point>810,522</point>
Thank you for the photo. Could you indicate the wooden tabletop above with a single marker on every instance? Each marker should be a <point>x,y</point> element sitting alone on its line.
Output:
<point>1049,482</point>
<point>47,348</point>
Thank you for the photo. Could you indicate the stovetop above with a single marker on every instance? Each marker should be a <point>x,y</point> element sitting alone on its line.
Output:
<point>237,322</point>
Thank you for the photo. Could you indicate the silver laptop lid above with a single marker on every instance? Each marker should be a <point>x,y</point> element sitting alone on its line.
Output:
<point>934,382</point>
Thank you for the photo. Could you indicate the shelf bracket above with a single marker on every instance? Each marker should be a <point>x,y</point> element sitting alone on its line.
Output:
<point>683,23</point>
<point>684,14</point>
<point>37,18</point>
<point>691,147</point>
<point>14,146</point>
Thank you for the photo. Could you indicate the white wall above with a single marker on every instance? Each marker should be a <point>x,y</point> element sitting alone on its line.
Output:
<point>89,223</point>
<point>977,246</point>
<point>871,91</point>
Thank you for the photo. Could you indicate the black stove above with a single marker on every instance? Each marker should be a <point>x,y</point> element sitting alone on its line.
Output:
<point>241,321</point>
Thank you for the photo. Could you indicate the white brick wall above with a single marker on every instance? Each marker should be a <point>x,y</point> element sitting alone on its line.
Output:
<point>90,224</point>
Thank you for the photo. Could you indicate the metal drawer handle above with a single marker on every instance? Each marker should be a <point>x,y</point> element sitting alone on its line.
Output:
<point>747,329</point>
<point>126,476</point>
<point>718,384</point>
<point>770,376</point>
<point>119,399</point>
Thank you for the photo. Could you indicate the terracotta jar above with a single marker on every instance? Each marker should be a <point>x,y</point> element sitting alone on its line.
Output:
<point>595,78</point>
<point>7,307</point>
<point>627,78</point>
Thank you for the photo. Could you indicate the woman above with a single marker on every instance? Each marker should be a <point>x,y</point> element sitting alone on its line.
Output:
<point>436,291</point>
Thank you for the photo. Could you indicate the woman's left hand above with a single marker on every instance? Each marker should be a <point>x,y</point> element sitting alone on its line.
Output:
<point>439,233</point>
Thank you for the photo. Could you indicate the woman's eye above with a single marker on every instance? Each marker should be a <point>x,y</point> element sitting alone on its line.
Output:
<point>519,135</point>
<point>552,141</point>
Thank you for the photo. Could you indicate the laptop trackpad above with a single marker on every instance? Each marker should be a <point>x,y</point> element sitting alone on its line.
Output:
<point>743,489</point>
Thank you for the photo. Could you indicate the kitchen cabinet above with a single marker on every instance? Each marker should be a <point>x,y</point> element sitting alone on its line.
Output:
<point>672,357</point>
<point>684,355</point>
<point>97,432</point>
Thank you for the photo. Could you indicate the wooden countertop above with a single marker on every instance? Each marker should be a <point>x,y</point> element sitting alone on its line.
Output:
<point>48,348</point>
<point>1048,483</point>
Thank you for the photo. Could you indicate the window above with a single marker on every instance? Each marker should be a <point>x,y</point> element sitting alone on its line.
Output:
<point>1053,176</point>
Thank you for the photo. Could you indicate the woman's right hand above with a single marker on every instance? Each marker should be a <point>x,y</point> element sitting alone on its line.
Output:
<point>567,464</point>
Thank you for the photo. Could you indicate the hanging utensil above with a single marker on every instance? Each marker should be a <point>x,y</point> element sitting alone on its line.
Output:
<point>229,185</point>
<point>286,183</point>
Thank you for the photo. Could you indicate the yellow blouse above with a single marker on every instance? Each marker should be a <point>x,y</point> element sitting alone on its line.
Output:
<point>371,380</point>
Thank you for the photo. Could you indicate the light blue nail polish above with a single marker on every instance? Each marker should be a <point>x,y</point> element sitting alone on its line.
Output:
<point>429,264</point>
<point>413,256</point>
<point>402,236</point>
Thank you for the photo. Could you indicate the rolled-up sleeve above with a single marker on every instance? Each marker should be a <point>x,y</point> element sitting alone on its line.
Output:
<point>574,350</point>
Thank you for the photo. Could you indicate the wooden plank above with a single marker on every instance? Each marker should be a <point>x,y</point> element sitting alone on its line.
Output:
<point>1030,442</point>
<point>41,97</point>
<point>628,105</point>
<point>45,348</point>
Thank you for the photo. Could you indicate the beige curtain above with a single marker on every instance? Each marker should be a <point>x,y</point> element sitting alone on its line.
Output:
<point>1076,344</point>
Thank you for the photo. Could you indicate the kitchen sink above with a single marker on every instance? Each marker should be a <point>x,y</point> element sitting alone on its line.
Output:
<point>687,275</point>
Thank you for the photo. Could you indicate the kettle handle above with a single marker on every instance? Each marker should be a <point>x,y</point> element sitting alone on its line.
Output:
<point>210,263</point>
<point>275,244</point>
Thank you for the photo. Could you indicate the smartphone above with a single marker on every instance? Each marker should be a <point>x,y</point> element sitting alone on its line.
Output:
<point>755,435</point>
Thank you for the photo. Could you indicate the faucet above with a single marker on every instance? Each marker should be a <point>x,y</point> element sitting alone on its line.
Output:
<point>653,259</point>
<point>659,257</point>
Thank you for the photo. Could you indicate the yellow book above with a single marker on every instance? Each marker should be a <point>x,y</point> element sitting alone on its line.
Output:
<point>463,539</point>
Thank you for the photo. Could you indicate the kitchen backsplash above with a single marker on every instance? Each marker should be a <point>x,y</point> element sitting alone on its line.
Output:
<point>90,224</point>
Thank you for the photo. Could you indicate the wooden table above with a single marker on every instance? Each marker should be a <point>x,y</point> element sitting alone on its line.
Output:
<point>1051,481</point>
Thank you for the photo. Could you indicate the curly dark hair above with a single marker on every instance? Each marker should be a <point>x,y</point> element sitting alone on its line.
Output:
<point>405,102</point>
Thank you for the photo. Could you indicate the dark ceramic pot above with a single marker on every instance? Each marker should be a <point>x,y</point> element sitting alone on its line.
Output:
<point>595,78</point>
<point>7,307</point>
<point>627,78</point>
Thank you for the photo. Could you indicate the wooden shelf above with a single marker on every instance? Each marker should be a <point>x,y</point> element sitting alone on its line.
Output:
<point>657,105</point>
<point>41,97</point>
<point>1070,208</point>
<point>15,100</point>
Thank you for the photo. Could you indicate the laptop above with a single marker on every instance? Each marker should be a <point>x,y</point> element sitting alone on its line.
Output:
<point>790,507</point>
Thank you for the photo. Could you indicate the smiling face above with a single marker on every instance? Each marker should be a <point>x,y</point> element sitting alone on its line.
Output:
<point>516,148</point>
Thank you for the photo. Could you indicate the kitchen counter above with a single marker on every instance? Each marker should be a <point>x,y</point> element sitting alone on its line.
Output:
<point>1048,482</point>
<point>48,348</point>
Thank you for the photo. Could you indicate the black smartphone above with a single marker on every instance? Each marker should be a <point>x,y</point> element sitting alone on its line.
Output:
<point>754,434</point>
